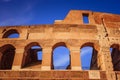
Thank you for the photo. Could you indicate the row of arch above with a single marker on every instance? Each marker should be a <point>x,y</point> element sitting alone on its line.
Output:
<point>61,57</point>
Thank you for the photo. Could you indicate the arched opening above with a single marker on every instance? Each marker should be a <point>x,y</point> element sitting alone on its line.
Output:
<point>115,55</point>
<point>7,53</point>
<point>32,56</point>
<point>11,34</point>
<point>89,57</point>
<point>60,57</point>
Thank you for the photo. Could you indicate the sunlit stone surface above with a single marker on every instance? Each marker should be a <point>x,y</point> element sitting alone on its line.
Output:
<point>101,32</point>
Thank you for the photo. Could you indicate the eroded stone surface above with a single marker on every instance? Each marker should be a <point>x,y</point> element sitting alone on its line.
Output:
<point>102,33</point>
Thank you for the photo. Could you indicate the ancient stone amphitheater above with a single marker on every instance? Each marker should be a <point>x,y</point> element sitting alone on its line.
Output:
<point>101,31</point>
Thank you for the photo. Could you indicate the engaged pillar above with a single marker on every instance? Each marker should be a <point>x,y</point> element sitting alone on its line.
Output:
<point>17,63</point>
<point>46,61</point>
<point>75,59</point>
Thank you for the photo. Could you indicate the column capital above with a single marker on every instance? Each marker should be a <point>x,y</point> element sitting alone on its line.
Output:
<point>19,50</point>
<point>74,48</point>
<point>47,50</point>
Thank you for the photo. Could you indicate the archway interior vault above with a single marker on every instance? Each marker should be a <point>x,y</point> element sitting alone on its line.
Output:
<point>7,53</point>
<point>32,56</point>
<point>115,55</point>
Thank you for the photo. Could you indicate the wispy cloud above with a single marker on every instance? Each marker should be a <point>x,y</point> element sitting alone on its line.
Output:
<point>86,54</point>
<point>86,51</point>
<point>23,15</point>
<point>62,61</point>
<point>17,20</point>
<point>61,58</point>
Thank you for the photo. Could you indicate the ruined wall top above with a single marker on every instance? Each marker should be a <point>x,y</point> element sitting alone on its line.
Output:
<point>94,18</point>
<point>76,17</point>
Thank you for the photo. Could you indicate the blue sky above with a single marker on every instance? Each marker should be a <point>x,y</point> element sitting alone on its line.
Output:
<point>61,57</point>
<point>27,12</point>
<point>24,12</point>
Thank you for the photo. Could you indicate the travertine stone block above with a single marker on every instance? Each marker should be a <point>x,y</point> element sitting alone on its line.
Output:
<point>19,61</point>
<point>94,75</point>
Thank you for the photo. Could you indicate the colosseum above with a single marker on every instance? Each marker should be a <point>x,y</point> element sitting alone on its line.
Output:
<point>101,31</point>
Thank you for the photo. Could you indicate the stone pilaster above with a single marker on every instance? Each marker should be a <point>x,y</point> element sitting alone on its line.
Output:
<point>17,63</point>
<point>105,59</point>
<point>46,59</point>
<point>75,59</point>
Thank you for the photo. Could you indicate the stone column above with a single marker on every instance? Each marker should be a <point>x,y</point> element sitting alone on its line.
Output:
<point>46,58</point>
<point>24,34</point>
<point>105,60</point>
<point>75,58</point>
<point>17,63</point>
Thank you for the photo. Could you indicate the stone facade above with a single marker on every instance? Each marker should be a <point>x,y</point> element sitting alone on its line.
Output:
<point>102,32</point>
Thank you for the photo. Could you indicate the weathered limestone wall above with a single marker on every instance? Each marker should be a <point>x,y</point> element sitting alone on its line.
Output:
<point>48,35</point>
<point>101,33</point>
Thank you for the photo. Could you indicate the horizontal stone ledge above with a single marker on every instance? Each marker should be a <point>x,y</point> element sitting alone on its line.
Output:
<point>52,74</point>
